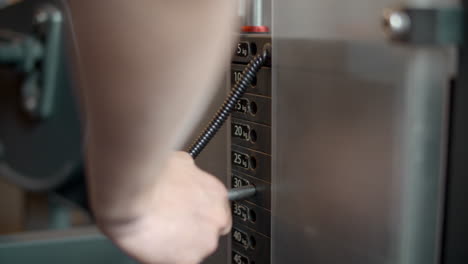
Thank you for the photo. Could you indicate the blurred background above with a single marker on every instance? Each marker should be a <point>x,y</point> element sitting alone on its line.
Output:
<point>40,130</point>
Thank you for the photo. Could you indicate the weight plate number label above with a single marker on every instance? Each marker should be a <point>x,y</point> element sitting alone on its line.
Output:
<point>240,238</point>
<point>236,76</point>
<point>240,131</point>
<point>242,106</point>
<point>240,159</point>
<point>238,182</point>
<point>239,259</point>
<point>241,211</point>
<point>242,49</point>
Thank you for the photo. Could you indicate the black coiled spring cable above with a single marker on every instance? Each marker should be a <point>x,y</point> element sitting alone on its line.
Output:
<point>225,110</point>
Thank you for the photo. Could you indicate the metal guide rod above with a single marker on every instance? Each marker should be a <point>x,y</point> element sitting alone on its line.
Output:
<point>254,16</point>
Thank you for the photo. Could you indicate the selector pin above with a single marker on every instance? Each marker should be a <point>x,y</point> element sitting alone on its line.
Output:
<point>241,193</point>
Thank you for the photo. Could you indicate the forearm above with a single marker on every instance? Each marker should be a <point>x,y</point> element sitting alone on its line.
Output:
<point>146,66</point>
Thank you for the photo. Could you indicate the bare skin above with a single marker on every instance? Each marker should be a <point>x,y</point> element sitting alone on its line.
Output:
<point>146,70</point>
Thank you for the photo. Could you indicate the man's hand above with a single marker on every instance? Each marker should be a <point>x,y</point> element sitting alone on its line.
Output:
<point>185,216</point>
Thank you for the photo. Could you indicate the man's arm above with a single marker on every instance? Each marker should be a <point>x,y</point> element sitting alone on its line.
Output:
<point>147,67</point>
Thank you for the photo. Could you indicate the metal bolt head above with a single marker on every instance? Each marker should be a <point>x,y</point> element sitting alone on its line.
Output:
<point>41,17</point>
<point>30,103</point>
<point>47,13</point>
<point>31,94</point>
<point>396,22</point>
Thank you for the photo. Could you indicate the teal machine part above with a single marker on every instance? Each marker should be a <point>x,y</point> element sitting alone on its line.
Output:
<point>37,55</point>
<point>40,139</point>
<point>85,245</point>
<point>18,49</point>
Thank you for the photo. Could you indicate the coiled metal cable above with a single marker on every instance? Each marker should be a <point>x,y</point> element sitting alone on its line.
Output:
<point>225,110</point>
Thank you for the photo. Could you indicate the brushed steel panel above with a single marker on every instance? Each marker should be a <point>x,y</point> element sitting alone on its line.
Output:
<point>358,138</point>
